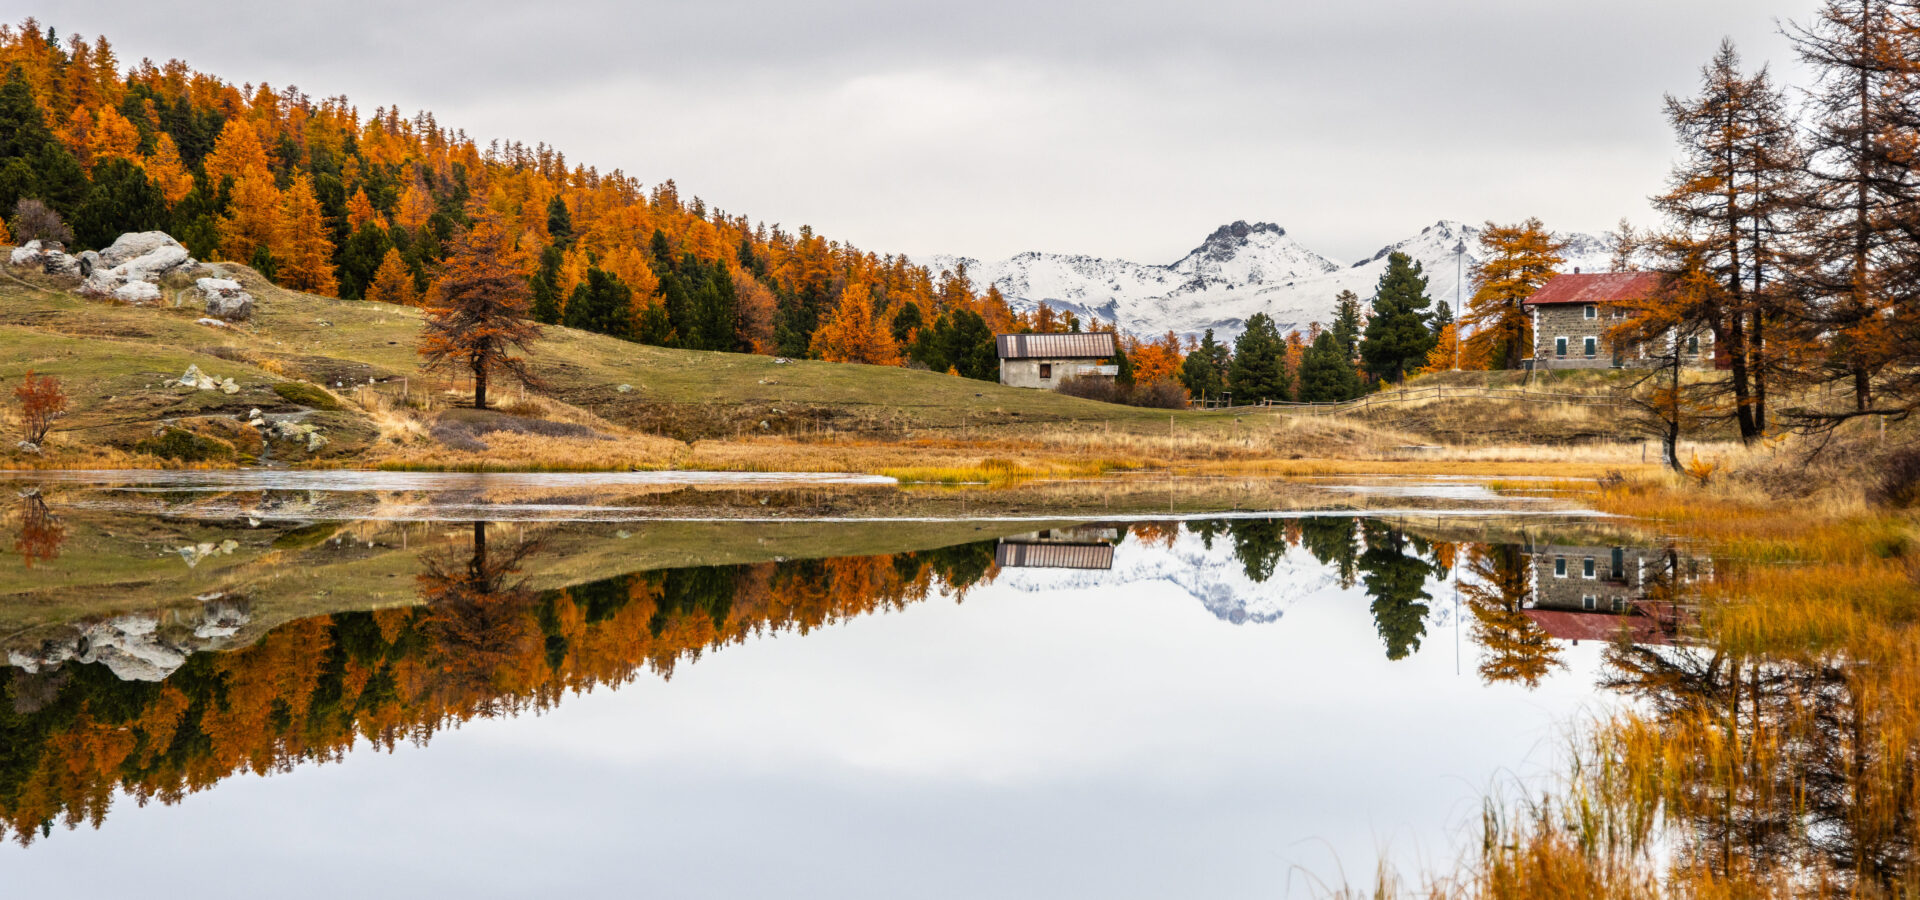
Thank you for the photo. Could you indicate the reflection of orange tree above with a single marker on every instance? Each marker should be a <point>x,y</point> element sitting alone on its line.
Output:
<point>40,533</point>
<point>480,645</point>
<point>1496,590</point>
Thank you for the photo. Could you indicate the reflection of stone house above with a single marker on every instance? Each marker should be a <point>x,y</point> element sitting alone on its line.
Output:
<point>1590,592</point>
<point>1572,313</point>
<point>1070,548</point>
<point>1046,360</point>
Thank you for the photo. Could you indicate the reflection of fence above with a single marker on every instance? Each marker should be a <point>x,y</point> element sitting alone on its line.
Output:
<point>1613,399</point>
<point>1021,554</point>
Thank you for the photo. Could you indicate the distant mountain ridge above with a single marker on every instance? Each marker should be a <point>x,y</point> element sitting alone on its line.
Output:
<point>1240,269</point>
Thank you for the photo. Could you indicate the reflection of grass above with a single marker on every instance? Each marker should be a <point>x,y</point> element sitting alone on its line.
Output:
<point>1779,756</point>
<point>1002,471</point>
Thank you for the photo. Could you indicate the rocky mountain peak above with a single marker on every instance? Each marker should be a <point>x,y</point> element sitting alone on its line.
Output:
<point>1227,240</point>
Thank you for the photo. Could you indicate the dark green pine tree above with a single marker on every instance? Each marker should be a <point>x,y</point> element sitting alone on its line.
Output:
<point>971,347</point>
<point>1398,338</point>
<point>906,321</point>
<point>546,287</point>
<point>603,303</point>
<point>1258,544</point>
<point>32,162</point>
<point>120,200</point>
<point>559,223</point>
<point>1347,323</point>
<point>929,346</point>
<point>1204,373</point>
<point>1326,372</point>
<point>1396,580</point>
<point>1122,366</point>
<point>360,257</point>
<point>1442,317</point>
<point>1332,541</point>
<point>1259,369</point>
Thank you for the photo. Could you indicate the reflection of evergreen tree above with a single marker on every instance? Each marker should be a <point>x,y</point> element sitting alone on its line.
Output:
<point>1208,530</point>
<point>1331,541</point>
<point>962,565</point>
<point>1396,580</point>
<point>1258,544</point>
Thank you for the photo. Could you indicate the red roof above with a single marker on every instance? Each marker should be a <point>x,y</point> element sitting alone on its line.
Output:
<point>1597,626</point>
<point>1600,287</point>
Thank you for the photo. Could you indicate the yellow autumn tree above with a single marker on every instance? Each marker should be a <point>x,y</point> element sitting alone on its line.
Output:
<point>416,206</point>
<point>630,266</point>
<point>112,137</point>
<point>252,219</point>
<point>360,211</point>
<point>1519,259</point>
<point>304,254</point>
<point>237,154</point>
<point>166,171</point>
<point>852,334</point>
<point>393,282</point>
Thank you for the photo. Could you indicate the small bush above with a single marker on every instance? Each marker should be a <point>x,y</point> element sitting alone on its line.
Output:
<point>1156,395</point>
<point>185,446</point>
<point>306,394</point>
<point>1899,485</point>
<point>33,220</point>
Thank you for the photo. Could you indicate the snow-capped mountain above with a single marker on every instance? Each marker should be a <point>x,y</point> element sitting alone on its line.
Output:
<point>1213,576</point>
<point>1237,271</point>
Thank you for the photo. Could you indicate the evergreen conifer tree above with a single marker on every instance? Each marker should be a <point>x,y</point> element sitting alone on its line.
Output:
<point>1204,372</point>
<point>546,287</point>
<point>1259,369</point>
<point>1326,374</point>
<point>1397,338</point>
<point>120,200</point>
<point>1347,323</point>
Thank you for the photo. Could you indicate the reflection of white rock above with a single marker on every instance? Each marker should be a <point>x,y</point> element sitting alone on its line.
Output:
<point>132,647</point>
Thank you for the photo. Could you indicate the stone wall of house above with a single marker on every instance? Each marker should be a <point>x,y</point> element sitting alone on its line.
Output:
<point>1619,575</point>
<point>1570,321</point>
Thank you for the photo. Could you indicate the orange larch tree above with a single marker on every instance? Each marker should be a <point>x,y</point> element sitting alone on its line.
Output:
<point>392,282</point>
<point>852,334</point>
<point>252,220</point>
<point>303,253</point>
<point>165,170</point>
<point>477,314</point>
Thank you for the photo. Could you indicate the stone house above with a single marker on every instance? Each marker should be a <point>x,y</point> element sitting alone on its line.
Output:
<point>1572,313</point>
<point>1045,360</point>
<point>1594,592</point>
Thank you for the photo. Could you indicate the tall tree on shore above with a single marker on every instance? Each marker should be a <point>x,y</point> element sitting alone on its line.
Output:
<point>852,333</point>
<point>1258,372</point>
<point>304,254</point>
<point>1518,259</point>
<point>1855,282</point>
<point>477,314</point>
<point>1398,337</point>
<point>1738,178</point>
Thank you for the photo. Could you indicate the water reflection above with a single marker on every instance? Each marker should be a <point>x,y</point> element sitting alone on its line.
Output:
<point>160,704</point>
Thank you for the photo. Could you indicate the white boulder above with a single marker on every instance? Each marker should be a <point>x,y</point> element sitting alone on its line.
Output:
<point>27,255</point>
<point>137,292</point>
<point>226,299</point>
<point>136,244</point>
<point>198,380</point>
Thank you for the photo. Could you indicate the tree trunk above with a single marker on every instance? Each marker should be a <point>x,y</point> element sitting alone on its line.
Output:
<point>1759,344</point>
<point>1736,351</point>
<point>1862,388</point>
<point>479,383</point>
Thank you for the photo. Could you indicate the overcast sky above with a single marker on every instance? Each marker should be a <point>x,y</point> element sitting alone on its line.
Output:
<point>1110,127</point>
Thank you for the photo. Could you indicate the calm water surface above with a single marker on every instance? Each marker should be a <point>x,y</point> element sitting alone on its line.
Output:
<point>196,706</point>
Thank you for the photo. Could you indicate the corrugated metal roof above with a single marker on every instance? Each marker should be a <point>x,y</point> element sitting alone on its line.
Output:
<point>1599,287</point>
<point>1015,555</point>
<point>1094,345</point>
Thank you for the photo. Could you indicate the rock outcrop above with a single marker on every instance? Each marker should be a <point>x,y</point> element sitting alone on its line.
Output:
<point>226,299</point>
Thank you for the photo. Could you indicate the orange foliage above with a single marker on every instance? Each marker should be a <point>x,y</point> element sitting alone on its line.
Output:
<point>166,171</point>
<point>304,253</point>
<point>392,282</point>
<point>854,334</point>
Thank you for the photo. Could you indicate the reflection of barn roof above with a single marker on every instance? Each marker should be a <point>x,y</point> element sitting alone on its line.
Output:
<point>1598,626</point>
<point>1598,287</point>
<point>1020,555</point>
<point>1097,345</point>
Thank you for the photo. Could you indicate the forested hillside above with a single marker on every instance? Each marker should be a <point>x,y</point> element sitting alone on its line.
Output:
<point>325,199</point>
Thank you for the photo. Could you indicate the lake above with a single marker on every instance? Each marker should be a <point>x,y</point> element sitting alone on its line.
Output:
<point>490,686</point>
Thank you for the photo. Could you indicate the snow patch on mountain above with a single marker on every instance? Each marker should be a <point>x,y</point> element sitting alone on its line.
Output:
<point>1238,271</point>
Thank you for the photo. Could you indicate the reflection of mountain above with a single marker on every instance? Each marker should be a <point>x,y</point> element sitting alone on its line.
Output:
<point>1215,576</point>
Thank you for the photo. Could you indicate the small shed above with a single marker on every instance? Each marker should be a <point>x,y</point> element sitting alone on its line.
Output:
<point>1046,360</point>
